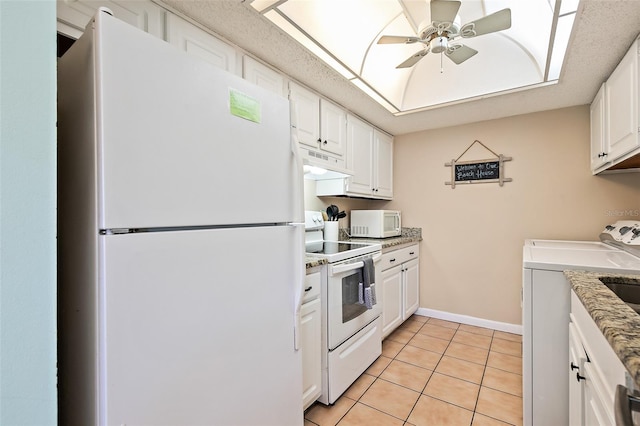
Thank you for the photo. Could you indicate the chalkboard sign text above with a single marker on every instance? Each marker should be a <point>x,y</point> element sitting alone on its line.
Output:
<point>477,171</point>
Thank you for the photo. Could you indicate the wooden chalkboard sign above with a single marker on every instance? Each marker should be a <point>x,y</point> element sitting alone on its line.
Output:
<point>478,171</point>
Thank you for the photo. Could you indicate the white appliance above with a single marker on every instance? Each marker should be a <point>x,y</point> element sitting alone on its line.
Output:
<point>376,223</point>
<point>546,303</point>
<point>352,332</point>
<point>181,239</point>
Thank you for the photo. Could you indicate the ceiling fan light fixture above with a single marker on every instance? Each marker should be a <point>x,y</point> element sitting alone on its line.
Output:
<point>439,44</point>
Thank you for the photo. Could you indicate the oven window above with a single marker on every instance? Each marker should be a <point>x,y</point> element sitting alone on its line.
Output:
<point>352,305</point>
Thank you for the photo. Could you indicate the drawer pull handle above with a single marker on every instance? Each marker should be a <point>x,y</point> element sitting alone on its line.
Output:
<point>574,367</point>
<point>392,260</point>
<point>579,377</point>
<point>412,253</point>
<point>308,288</point>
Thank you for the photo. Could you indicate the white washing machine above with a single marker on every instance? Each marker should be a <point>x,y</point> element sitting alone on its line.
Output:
<point>546,304</point>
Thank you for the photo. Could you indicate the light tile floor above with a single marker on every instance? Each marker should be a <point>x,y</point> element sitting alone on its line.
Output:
<point>434,372</point>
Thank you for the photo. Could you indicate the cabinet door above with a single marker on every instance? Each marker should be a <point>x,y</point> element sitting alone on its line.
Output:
<point>391,283</point>
<point>333,128</point>
<point>311,352</point>
<point>73,16</point>
<point>595,412</point>
<point>383,165</point>
<point>305,115</point>
<point>197,42</point>
<point>411,286</point>
<point>621,100</point>
<point>577,357</point>
<point>599,155</point>
<point>360,156</point>
<point>263,76</point>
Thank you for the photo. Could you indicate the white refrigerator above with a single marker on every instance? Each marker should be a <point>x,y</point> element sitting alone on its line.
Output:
<point>181,257</point>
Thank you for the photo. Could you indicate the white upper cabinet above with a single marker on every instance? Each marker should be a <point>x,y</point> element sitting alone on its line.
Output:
<point>305,115</point>
<point>598,146</point>
<point>615,118</point>
<point>333,128</point>
<point>360,155</point>
<point>73,15</point>
<point>383,165</point>
<point>320,124</point>
<point>369,158</point>
<point>621,105</point>
<point>263,76</point>
<point>321,129</point>
<point>197,42</point>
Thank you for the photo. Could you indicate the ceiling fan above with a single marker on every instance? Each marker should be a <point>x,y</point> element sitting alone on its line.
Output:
<point>439,35</point>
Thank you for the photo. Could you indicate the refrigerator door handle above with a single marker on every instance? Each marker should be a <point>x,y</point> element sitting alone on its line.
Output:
<point>298,282</point>
<point>298,178</point>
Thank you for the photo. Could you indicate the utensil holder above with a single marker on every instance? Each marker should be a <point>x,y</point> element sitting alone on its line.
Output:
<point>331,230</point>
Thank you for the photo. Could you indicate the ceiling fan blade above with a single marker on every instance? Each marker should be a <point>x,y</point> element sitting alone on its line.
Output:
<point>460,53</point>
<point>397,39</point>
<point>444,11</point>
<point>412,60</point>
<point>498,21</point>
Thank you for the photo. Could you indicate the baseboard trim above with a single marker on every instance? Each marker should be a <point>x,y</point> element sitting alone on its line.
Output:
<point>465,319</point>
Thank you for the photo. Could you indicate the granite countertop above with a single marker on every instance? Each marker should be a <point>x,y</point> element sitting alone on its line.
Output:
<point>313,261</point>
<point>409,235</point>
<point>619,324</point>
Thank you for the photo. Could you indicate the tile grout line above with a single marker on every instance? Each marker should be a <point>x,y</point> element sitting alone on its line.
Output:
<point>441,356</point>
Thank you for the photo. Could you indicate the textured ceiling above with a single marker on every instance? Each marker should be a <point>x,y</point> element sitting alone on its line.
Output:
<point>603,32</point>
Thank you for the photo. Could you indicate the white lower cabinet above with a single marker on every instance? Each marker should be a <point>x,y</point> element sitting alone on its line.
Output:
<point>594,371</point>
<point>311,339</point>
<point>398,280</point>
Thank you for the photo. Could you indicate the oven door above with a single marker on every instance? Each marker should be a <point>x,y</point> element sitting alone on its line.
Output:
<point>346,314</point>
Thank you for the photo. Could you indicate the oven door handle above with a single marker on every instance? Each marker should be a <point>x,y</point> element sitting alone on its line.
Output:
<point>338,269</point>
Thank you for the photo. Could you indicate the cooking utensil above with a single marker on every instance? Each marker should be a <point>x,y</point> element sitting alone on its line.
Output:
<point>341,215</point>
<point>332,212</point>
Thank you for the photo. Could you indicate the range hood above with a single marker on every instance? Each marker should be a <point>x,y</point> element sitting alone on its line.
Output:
<point>319,165</point>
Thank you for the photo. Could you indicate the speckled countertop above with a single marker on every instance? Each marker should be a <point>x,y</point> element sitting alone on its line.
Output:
<point>409,235</point>
<point>313,261</point>
<point>619,324</point>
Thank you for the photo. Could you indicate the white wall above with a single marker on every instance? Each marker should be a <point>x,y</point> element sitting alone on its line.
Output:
<point>27,213</point>
<point>471,255</point>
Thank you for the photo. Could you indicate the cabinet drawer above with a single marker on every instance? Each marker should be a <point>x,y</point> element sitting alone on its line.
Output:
<point>398,257</point>
<point>311,287</point>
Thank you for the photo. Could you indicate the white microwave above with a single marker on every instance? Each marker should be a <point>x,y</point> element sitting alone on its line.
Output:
<point>375,223</point>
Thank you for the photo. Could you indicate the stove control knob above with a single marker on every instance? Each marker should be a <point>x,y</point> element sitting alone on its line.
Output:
<point>624,230</point>
<point>636,233</point>
<point>609,227</point>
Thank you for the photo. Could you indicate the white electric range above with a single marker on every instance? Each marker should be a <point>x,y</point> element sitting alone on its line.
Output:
<point>332,251</point>
<point>546,304</point>
<point>351,328</point>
